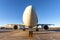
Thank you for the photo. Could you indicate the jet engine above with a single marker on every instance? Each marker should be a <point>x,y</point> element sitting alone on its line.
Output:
<point>15,27</point>
<point>46,27</point>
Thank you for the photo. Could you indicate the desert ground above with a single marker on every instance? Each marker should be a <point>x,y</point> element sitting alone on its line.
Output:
<point>8,34</point>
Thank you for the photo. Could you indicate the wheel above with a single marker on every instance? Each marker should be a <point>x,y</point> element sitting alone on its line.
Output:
<point>24,29</point>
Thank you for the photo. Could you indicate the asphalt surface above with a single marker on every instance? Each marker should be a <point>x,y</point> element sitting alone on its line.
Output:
<point>23,35</point>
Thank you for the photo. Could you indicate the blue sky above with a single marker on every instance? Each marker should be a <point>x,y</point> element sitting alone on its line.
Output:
<point>48,11</point>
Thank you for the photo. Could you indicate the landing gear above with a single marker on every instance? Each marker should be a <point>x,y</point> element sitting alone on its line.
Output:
<point>30,32</point>
<point>37,28</point>
<point>24,28</point>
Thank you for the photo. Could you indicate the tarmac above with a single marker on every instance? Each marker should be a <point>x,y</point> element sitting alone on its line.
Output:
<point>23,35</point>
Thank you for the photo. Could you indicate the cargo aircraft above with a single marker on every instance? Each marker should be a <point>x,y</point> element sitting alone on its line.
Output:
<point>30,20</point>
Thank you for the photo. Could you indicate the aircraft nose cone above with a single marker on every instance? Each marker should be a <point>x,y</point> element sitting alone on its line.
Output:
<point>29,16</point>
<point>30,6</point>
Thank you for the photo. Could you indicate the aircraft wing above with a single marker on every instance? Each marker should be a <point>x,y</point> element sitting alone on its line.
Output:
<point>44,24</point>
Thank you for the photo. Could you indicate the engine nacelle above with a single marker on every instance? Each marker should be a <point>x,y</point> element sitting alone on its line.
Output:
<point>15,27</point>
<point>46,27</point>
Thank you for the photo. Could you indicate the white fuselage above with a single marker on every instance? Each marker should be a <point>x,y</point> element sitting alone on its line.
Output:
<point>30,17</point>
